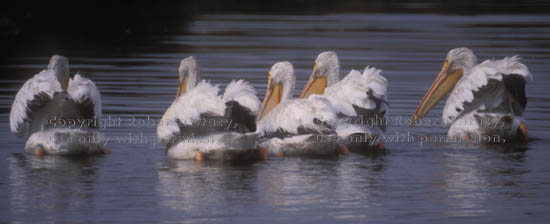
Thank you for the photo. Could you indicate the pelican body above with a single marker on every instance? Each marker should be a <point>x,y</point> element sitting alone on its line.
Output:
<point>58,112</point>
<point>296,127</point>
<point>486,100</point>
<point>359,99</point>
<point>202,125</point>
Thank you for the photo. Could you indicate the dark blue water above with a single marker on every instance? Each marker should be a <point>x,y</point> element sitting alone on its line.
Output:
<point>416,182</point>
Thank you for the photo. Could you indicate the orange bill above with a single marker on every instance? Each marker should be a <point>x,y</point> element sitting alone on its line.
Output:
<point>315,84</point>
<point>443,84</point>
<point>273,97</point>
<point>65,84</point>
<point>182,88</point>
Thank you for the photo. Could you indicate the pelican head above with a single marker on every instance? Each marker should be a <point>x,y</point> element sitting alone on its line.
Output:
<point>60,65</point>
<point>326,72</point>
<point>188,74</point>
<point>280,86</point>
<point>459,61</point>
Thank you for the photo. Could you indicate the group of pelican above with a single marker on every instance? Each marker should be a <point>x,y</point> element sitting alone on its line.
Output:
<point>331,117</point>
<point>313,125</point>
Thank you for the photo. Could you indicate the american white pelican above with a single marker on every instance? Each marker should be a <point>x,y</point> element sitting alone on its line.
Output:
<point>295,127</point>
<point>360,101</point>
<point>486,100</point>
<point>202,125</point>
<point>58,112</point>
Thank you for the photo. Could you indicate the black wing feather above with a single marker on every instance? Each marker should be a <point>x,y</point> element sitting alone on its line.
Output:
<point>242,117</point>
<point>235,119</point>
<point>515,86</point>
<point>375,116</point>
<point>40,100</point>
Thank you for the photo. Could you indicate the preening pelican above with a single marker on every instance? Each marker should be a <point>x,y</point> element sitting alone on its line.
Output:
<point>58,112</point>
<point>202,125</point>
<point>360,101</point>
<point>295,127</point>
<point>486,100</point>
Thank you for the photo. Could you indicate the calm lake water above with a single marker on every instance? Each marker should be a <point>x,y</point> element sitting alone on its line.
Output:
<point>415,182</point>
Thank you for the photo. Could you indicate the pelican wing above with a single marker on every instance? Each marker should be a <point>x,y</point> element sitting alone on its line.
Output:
<point>200,104</point>
<point>243,93</point>
<point>242,105</point>
<point>492,86</point>
<point>314,115</point>
<point>34,95</point>
<point>360,95</point>
<point>85,94</point>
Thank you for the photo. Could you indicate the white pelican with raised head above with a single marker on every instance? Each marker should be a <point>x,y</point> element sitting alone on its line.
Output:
<point>202,125</point>
<point>296,127</point>
<point>486,100</point>
<point>58,112</point>
<point>360,100</point>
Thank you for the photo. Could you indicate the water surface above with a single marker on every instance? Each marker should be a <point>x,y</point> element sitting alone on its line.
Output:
<point>428,182</point>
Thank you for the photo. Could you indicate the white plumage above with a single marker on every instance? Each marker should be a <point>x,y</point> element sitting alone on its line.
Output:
<point>242,92</point>
<point>187,109</point>
<point>307,126</point>
<point>486,100</point>
<point>43,84</point>
<point>292,114</point>
<point>297,126</point>
<point>485,104</point>
<point>359,98</point>
<point>366,91</point>
<point>354,89</point>
<point>82,89</point>
<point>479,77</point>
<point>44,106</point>
<point>67,141</point>
<point>198,121</point>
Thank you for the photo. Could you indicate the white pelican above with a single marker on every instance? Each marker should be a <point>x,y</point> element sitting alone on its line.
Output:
<point>295,127</point>
<point>360,101</point>
<point>202,125</point>
<point>486,100</point>
<point>58,112</point>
